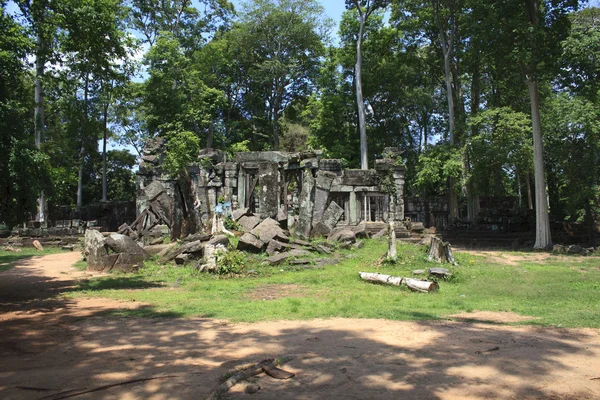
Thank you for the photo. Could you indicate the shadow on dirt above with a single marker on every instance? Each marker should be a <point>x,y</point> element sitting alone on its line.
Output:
<point>51,352</point>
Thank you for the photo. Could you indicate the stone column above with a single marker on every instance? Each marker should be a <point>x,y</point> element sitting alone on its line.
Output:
<point>268,180</point>
<point>307,204</point>
<point>353,218</point>
<point>323,187</point>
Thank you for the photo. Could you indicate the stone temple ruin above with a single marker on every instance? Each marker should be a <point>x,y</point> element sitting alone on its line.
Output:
<point>305,193</point>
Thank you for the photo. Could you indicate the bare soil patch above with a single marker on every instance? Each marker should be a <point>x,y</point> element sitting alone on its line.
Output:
<point>73,346</point>
<point>500,317</point>
<point>276,291</point>
<point>508,258</point>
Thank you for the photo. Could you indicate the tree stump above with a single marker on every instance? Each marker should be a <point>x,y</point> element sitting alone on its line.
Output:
<point>440,252</point>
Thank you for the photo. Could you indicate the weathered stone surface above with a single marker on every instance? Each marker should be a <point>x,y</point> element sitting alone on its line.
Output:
<point>124,244</point>
<point>93,248</point>
<point>343,236</point>
<point>320,229</point>
<point>282,257</point>
<point>323,187</point>
<point>249,242</point>
<point>191,247</point>
<point>269,229</point>
<point>239,213</point>
<point>165,250</point>
<point>382,233</point>
<point>332,215</point>
<point>197,236</point>
<point>574,249</point>
<point>116,251</point>
<point>248,222</point>
<point>183,258</point>
<point>360,177</point>
<point>38,246</point>
<point>274,246</point>
<point>158,200</point>
<point>307,204</point>
<point>155,249</point>
<point>268,181</point>
<point>360,231</point>
<point>218,239</point>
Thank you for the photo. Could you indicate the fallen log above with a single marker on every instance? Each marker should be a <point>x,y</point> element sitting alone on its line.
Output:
<point>413,284</point>
<point>248,373</point>
<point>440,252</point>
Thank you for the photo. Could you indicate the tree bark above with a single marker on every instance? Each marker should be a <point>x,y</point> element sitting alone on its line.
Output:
<point>83,138</point>
<point>529,194</point>
<point>39,117</point>
<point>364,161</point>
<point>104,166</point>
<point>542,219</point>
<point>413,284</point>
<point>440,252</point>
<point>392,253</point>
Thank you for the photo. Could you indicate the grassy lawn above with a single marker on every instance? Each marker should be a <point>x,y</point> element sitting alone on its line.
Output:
<point>561,292</point>
<point>9,259</point>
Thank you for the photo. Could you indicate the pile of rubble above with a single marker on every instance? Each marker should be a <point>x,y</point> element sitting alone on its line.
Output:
<point>114,251</point>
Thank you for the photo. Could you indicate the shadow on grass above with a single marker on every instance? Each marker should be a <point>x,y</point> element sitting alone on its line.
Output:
<point>143,312</point>
<point>9,260</point>
<point>115,283</point>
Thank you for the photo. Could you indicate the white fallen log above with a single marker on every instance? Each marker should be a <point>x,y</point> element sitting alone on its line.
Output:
<point>413,284</point>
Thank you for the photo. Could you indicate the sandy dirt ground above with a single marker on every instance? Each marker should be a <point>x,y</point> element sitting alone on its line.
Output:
<point>53,348</point>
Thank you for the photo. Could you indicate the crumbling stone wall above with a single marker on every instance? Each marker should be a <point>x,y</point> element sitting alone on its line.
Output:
<point>303,191</point>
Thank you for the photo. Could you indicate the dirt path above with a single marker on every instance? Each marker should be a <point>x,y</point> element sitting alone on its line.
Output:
<point>49,345</point>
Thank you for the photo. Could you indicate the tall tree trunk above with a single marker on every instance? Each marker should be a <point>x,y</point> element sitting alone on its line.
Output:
<point>83,138</point>
<point>104,186</point>
<point>542,219</point>
<point>275,131</point>
<point>364,161</point>
<point>39,117</point>
<point>529,194</point>
<point>211,135</point>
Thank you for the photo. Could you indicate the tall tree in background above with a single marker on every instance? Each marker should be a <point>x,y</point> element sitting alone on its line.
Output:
<point>39,16</point>
<point>93,42</point>
<point>364,8</point>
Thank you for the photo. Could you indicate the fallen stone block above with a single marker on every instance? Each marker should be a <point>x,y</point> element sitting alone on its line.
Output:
<point>342,236</point>
<point>239,213</point>
<point>320,229</point>
<point>269,229</point>
<point>282,257</point>
<point>250,243</point>
<point>248,222</point>
<point>183,258</point>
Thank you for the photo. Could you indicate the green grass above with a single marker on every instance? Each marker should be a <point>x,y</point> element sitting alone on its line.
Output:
<point>561,292</point>
<point>9,259</point>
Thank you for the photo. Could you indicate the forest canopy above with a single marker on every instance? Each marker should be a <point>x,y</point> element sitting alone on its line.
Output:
<point>486,98</point>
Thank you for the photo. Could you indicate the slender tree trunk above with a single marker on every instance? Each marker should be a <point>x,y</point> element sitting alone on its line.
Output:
<point>392,253</point>
<point>529,194</point>
<point>542,218</point>
<point>104,167</point>
<point>83,138</point>
<point>275,131</point>
<point>211,135</point>
<point>449,96</point>
<point>364,161</point>
<point>39,117</point>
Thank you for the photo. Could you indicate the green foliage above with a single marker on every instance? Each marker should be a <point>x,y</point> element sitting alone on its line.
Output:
<point>182,150</point>
<point>501,148</point>
<point>437,164</point>
<point>230,224</point>
<point>231,262</point>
